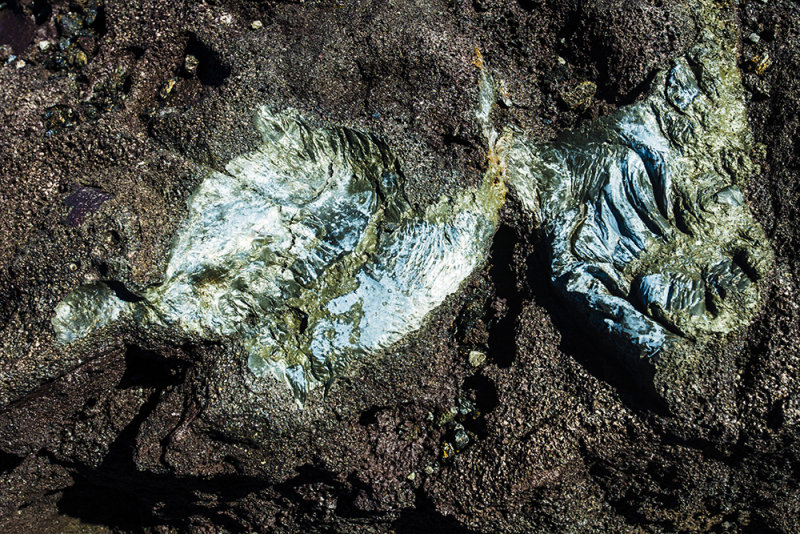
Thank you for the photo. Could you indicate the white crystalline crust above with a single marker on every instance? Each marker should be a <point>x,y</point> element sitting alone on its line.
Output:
<point>307,251</point>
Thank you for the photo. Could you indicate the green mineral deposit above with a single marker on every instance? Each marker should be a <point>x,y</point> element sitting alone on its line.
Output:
<point>308,252</point>
<point>650,235</point>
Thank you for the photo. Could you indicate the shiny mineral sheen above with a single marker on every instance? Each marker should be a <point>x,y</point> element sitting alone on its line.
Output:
<point>650,236</point>
<point>307,252</point>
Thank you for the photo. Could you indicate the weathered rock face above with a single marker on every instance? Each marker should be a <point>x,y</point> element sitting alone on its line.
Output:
<point>306,250</point>
<point>143,426</point>
<point>643,211</point>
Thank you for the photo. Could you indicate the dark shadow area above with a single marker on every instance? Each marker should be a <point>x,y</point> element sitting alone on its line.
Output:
<point>369,417</point>
<point>319,481</point>
<point>313,486</point>
<point>630,375</point>
<point>211,71</point>
<point>760,529</point>
<point>16,27</point>
<point>586,53</point>
<point>530,5</point>
<point>450,139</point>
<point>9,462</point>
<point>122,292</point>
<point>149,369</point>
<point>41,10</point>
<point>502,345</point>
<point>99,24</point>
<point>137,51</point>
<point>9,300</point>
<point>483,390</point>
<point>741,260</point>
<point>424,517</point>
<point>484,393</point>
<point>775,416</point>
<point>593,57</point>
<point>120,496</point>
<point>104,505</point>
<point>638,91</point>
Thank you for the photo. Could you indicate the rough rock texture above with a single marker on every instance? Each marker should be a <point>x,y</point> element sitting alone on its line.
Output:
<point>648,232</point>
<point>306,252</point>
<point>125,432</point>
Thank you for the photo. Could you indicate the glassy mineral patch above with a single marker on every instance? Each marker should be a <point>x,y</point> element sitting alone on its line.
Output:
<point>307,250</point>
<point>649,232</point>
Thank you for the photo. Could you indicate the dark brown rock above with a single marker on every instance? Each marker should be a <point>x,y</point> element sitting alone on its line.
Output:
<point>133,431</point>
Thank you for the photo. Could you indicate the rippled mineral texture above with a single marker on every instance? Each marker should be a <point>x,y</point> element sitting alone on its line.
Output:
<point>212,210</point>
<point>308,251</point>
<point>649,232</point>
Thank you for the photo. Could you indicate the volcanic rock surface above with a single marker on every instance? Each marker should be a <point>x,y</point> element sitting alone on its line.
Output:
<point>504,410</point>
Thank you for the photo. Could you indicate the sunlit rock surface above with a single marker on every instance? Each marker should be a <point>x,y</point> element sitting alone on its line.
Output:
<point>308,252</point>
<point>649,232</point>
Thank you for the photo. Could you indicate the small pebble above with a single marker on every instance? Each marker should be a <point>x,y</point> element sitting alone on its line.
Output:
<point>754,38</point>
<point>429,469</point>
<point>190,64</point>
<point>20,63</point>
<point>256,25</point>
<point>167,88</point>
<point>461,437</point>
<point>43,45</point>
<point>411,476</point>
<point>476,358</point>
<point>580,96</point>
<point>761,63</point>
